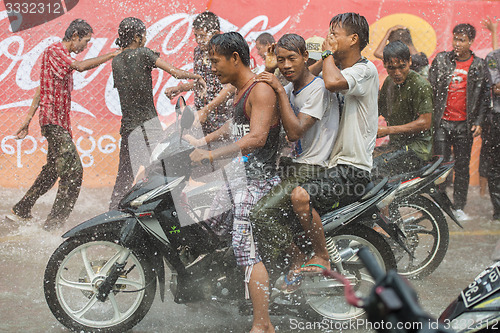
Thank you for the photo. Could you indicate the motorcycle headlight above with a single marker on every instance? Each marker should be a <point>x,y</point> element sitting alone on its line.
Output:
<point>156,192</point>
<point>442,178</point>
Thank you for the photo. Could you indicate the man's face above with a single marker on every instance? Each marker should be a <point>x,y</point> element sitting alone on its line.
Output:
<point>461,45</point>
<point>202,37</point>
<point>342,38</point>
<point>261,49</point>
<point>398,69</point>
<point>80,44</point>
<point>290,63</point>
<point>222,67</point>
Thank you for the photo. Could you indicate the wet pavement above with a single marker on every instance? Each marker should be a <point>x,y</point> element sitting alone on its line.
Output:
<point>25,249</point>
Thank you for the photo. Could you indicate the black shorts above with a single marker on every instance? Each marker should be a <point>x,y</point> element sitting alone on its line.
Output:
<point>337,186</point>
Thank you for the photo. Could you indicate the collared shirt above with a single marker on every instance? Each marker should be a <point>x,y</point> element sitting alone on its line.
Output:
<point>56,84</point>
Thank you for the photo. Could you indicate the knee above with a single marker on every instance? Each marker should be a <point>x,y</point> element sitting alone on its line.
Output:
<point>300,197</point>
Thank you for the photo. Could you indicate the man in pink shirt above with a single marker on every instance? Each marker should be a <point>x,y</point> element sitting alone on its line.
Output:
<point>53,97</point>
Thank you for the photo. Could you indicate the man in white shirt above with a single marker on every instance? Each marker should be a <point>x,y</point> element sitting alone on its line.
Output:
<point>347,72</point>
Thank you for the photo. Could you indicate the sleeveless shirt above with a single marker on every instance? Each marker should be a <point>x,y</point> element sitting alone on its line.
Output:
<point>260,163</point>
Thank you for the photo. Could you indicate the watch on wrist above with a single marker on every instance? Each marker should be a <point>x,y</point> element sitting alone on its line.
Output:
<point>325,54</point>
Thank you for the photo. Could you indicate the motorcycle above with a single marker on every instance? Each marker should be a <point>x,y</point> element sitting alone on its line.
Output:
<point>417,211</point>
<point>392,304</point>
<point>104,276</point>
<point>477,308</point>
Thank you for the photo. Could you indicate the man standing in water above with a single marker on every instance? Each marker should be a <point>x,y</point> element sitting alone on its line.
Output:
<point>255,127</point>
<point>54,99</point>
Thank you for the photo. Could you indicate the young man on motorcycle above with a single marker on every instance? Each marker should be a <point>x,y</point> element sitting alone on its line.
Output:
<point>310,116</point>
<point>347,72</point>
<point>255,127</point>
<point>405,101</point>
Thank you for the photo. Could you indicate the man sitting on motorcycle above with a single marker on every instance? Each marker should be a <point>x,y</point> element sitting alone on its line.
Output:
<point>255,127</point>
<point>345,71</point>
<point>310,116</point>
<point>405,101</point>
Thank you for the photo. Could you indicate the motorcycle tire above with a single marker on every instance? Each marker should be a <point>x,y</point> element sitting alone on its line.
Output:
<point>75,270</point>
<point>329,302</point>
<point>427,237</point>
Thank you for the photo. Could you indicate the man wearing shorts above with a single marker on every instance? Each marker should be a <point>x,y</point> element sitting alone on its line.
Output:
<point>347,72</point>
<point>255,126</point>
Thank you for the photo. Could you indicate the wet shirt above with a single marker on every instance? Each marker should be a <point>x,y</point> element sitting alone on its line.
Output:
<point>456,104</point>
<point>317,102</point>
<point>359,117</point>
<point>493,61</point>
<point>132,77</point>
<point>218,117</point>
<point>56,84</point>
<point>420,64</point>
<point>260,163</point>
<point>403,103</point>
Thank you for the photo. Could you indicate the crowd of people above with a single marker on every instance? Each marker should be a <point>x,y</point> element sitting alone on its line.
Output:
<point>320,92</point>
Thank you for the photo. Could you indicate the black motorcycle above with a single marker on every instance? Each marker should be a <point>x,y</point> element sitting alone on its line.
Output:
<point>418,210</point>
<point>104,276</point>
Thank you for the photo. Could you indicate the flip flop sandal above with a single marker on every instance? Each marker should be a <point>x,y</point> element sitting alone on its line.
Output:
<point>293,285</point>
<point>323,268</point>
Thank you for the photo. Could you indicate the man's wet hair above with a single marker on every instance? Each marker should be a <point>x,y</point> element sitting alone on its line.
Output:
<point>466,29</point>
<point>402,34</point>
<point>207,21</point>
<point>353,23</point>
<point>292,42</point>
<point>265,38</point>
<point>396,50</point>
<point>78,26</point>
<point>128,29</point>
<point>228,43</point>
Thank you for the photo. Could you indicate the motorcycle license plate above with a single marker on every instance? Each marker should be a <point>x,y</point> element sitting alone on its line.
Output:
<point>484,285</point>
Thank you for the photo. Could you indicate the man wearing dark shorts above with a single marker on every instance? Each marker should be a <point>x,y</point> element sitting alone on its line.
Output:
<point>345,71</point>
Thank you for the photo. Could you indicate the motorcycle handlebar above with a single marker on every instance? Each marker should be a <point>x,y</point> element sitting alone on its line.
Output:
<point>371,264</point>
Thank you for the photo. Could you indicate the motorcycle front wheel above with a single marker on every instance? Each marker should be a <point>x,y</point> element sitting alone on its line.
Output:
<point>74,273</point>
<point>427,237</point>
<point>326,296</point>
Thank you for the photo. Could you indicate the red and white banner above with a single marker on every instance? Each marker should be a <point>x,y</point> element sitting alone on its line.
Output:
<point>26,30</point>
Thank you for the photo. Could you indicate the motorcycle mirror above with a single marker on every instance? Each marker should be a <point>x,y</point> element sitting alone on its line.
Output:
<point>187,118</point>
<point>180,105</point>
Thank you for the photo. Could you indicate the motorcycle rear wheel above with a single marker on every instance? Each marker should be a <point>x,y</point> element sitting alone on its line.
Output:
<point>427,237</point>
<point>73,274</point>
<point>329,302</point>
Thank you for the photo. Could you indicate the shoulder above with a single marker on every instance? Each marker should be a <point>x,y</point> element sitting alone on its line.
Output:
<point>363,68</point>
<point>261,89</point>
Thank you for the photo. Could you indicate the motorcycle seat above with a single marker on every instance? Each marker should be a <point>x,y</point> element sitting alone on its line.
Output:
<point>371,189</point>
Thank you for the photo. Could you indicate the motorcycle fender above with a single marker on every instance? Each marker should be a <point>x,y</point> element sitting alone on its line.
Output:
<point>442,200</point>
<point>112,220</point>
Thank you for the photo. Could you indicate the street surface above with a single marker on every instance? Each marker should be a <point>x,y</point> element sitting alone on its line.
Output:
<point>24,251</point>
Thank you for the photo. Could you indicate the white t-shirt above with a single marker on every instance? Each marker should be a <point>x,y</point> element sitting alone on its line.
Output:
<point>359,120</point>
<point>317,142</point>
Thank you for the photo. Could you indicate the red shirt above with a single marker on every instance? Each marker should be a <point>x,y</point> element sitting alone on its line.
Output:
<point>456,104</point>
<point>56,84</point>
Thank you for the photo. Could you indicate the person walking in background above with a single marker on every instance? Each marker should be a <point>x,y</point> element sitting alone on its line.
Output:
<point>53,98</point>
<point>461,98</point>
<point>419,61</point>
<point>132,77</point>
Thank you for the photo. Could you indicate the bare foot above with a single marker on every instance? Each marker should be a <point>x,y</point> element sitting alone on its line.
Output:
<point>263,329</point>
<point>315,265</point>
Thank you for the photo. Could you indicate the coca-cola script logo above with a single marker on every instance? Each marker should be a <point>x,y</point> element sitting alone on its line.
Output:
<point>175,30</point>
<point>26,14</point>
